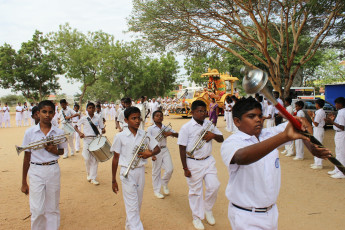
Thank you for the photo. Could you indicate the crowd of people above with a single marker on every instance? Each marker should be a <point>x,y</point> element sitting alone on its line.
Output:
<point>250,154</point>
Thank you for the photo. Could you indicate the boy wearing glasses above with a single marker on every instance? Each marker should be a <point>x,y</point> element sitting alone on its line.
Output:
<point>199,166</point>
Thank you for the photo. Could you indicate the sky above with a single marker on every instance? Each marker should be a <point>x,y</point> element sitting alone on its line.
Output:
<point>20,18</point>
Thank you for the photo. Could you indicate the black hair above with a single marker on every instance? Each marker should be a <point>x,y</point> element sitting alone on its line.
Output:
<point>142,97</point>
<point>213,99</point>
<point>276,92</point>
<point>90,104</point>
<point>34,110</point>
<point>300,104</point>
<point>131,110</point>
<point>340,100</point>
<point>76,105</point>
<point>98,106</point>
<point>244,105</point>
<point>289,100</point>
<point>46,103</point>
<point>228,98</point>
<point>127,100</point>
<point>198,103</point>
<point>63,101</point>
<point>260,98</point>
<point>157,111</point>
<point>234,98</point>
<point>123,99</point>
<point>320,102</point>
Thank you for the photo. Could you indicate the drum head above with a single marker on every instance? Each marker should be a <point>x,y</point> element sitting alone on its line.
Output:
<point>97,143</point>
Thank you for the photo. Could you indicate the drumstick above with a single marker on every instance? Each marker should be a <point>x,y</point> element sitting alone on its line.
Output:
<point>255,81</point>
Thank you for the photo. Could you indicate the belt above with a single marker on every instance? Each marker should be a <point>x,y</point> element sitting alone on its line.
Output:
<point>45,163</point>
<point>339,130</point>
<point>163,147</point>
<point>254,209</point>
<point>198,159</point>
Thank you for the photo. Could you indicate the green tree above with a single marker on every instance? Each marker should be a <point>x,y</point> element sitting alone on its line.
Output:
<point>32,70</point>
<point>84,56</point>
<point>271,31</point>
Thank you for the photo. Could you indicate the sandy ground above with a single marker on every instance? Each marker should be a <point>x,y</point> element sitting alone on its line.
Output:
<point>308,199</point>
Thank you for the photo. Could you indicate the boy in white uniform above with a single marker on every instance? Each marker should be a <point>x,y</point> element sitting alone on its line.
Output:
<point>74,123</point>
<point>1,115</point>
<point>112,111</point>
<point>339,138</point>
<point>228,114</point>
<point>163,159</point>
<point>120,123</point>
<point>19,114</point>
<point>32,121</point>
<point>200,166</point>
<point>44,171</point>
<point>124,148</point>
<point>99,112</point>
<point>270,115</point>
<point>299,146</point>
<point>89,135</point>
<point>65,116</point>
<point>26,114</point>
<point>252,159</point>
<point>318,119</point>
<point>6,117</point>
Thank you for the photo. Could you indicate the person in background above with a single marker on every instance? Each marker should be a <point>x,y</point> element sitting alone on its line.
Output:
<point>299,147</point>
<point>289,146</point>
<point>6,117</point>
<point>214,110</point>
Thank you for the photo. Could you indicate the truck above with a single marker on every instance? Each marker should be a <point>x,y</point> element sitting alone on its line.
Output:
<point>333,91</point>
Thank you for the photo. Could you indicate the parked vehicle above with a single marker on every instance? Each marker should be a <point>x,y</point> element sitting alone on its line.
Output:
<point>309,105</point>
<point>334,91</point>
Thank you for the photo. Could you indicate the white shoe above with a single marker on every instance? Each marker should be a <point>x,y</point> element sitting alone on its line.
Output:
<point>316,167</point>
<point>166,190</point>
<point>284,152</point>
<point>198,224</point>
<point>93,181</point>
<point>332,172</point>
<point>88,178</point>
<point>312,165</point>
<point>159,195</point>
<point>289,154</point>
<point>209,217</point>
<point>72,154</point>
<point>297,159</point>
<point>338,175</point>
<point>64,156</point>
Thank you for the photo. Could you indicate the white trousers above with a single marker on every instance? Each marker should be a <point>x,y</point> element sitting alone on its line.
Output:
<point>112,114</point>
<point>246,220</point>
<point>71,145</point>
<point>6,121</point>
<point>299,146</point>
<point>289,148</point>
<point>91,163</point>
<point>44,196</point>
<point>77,140</point>
<point>133,190</point>
<point>270,123</point>
<point>166,112</point>
<point>26,121</point>
<point>163,161</point>
<point>202,171</point>
<point>229,122</point>
<point>1,118</point>
<point>318,134</point>
<point>339,140</point>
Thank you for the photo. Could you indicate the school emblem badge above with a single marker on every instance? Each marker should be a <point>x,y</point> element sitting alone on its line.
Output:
<point>277,163</point>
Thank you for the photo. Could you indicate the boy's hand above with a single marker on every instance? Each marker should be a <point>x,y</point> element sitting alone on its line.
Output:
<point>52,148</point>
<point>81,135</point>
<point>145,154</point>
<point>323,153</point>
<point>103,131</point>
<point>209,136</point>
<point>166,134</point>
<point>187,173</point>
<point>115,187</point>
<point>25,188</point>
<point>154,158</point>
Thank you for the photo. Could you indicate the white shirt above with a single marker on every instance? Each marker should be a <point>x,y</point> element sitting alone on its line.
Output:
<point>289,109</point>
<point>154,130</point>
<point>255,185</point>
<point>276,111</point>
<point>96,120</point>
<point>189,134</point>
<point>154,106</point>
<point>68,112</point>
<point>76,119</point>
<point>121,119</point>
<point>227,107</point>
<point>320,116</point>
<point>340,119</point>
<point>118,113</point>
<point>33,134</point>
<point>300,113</point>
<point>101,115</point>
<point>125,142</point>
<point>6,110</point>
<point>19,108</point>
<point>270,111</point>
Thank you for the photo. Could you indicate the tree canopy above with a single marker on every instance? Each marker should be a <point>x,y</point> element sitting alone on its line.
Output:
<point>272,32</point>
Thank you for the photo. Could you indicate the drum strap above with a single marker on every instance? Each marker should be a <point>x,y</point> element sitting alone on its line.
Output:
<point>93,126</point>
<point>64,116</point>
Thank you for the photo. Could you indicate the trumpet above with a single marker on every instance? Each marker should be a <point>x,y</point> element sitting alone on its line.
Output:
<point>160,135</point>
<point>54,140</point>
<point>200,141</point>
<point>135,159</point>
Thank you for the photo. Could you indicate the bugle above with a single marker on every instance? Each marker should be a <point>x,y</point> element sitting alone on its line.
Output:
<point>200,142</point>
<point>160,135</point>
<point>54,140</point>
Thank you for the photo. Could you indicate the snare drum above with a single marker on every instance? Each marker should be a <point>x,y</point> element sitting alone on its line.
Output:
<point>100,149</point>
<point>68,128</point>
